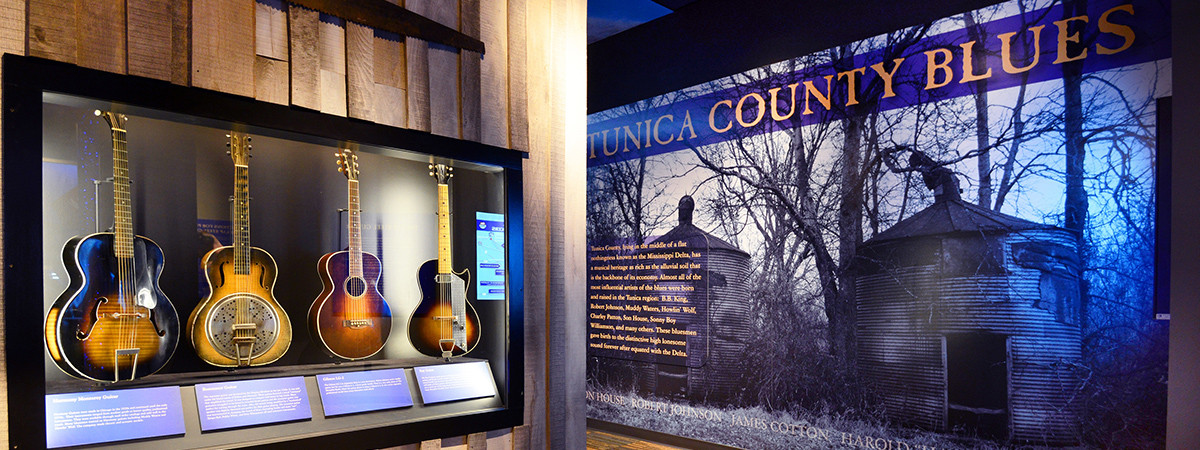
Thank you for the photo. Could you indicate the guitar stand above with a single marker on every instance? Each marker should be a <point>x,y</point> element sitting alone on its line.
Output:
<point>96,196</point>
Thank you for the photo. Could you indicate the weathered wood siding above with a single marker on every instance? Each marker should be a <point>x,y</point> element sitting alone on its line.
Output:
<point>276,52</point>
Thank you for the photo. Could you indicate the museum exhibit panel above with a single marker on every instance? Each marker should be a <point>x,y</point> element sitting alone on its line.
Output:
<point>940,226</point>
<point>208,279</point>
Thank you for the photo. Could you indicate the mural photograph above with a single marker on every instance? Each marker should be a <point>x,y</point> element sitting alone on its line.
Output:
<point>939,237</point>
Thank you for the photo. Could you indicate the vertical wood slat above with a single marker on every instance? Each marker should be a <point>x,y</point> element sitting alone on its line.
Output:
<point>223,46</point>
<point>477,441</point>
<point>270,25</point>
<point>503,441</point>
<point>149,38</point>
<point>518,100</point>
<point>493,30</point>
<point>443,74</point>
<point>520,437</point>
<point>271,67</point>
<point>391,80</point>
<point>470,72</point>
<point>331,35</point>
<point>52,30</point>
<point>417,68</point>
<point>432,444</point>
<point>100,35</point>
<point>270,80</point>
<point>304,62</point>
<point>12,27</point>
<point>360,71</point>
<point>181,42</point>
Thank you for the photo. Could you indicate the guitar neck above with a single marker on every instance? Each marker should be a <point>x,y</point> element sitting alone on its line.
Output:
<point>122,206</point>
<point>241,219</point>
<point>355,229</point>
<point>444,265</point>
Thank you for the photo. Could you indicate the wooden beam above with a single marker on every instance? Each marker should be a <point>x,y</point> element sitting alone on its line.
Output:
<point>305,63</point>
<point>391,17</point>
<point>149,38</point>
<point>223,46</point>
<point>12,27</point>
<point>493,88</point>
<point>391,79</point>
<point>52,30</point>
<point>100,35</point>
<point>417,67</point>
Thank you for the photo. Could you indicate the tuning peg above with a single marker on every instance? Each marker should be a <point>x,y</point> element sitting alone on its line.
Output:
<point>97,113</point>
<point>431,174</point>
<point>451,175</point>
<point>228,135</point>
<point>431,167</point>
<point>450,169</point>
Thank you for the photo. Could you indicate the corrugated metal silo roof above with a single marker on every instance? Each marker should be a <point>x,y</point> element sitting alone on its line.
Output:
<point>954,216</point>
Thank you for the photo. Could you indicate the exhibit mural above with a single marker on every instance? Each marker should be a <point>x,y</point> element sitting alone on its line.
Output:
<point>939,237</point>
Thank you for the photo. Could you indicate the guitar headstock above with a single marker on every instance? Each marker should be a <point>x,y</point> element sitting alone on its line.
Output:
<point>239,148</point>
<point>441,172</point>
<point>348,163</point>
<point>114,120</point>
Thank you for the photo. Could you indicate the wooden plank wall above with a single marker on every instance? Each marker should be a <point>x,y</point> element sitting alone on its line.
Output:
<point>276,52</point>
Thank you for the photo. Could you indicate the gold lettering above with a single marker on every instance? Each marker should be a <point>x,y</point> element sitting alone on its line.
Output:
<point>775,103</point>
<point>637,139</point>
<point>1117,29</point>
<point>592,145</point>
<point>1006,50</point>
<point>712,116</point>
<point>851,84</point>
<point>656,123</point>
<point>887,76</point>
<point>1064,38</point>
<point>604,139</point>
<point>687,125</point>
<point>648,141</point>
<point>810,91</point>
<point>762,110</point>
<point>968,64</point>
<point>932,67</point>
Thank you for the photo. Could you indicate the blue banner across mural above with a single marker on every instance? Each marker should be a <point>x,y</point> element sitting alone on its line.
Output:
<point>1025,48</point>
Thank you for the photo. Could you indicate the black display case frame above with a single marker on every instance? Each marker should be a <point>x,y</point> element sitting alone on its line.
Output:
<point>27,79</point>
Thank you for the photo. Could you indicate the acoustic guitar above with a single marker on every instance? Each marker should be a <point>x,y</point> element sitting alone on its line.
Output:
<point>444,323</point>
<point>239,323</point>
<point>350,319</point>
<point>113,323</point>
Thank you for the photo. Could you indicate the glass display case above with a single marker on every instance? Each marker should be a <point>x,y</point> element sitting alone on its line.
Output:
<point>215,271</point>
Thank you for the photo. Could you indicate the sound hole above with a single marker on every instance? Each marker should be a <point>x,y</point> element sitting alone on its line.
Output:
<point>356,286</point>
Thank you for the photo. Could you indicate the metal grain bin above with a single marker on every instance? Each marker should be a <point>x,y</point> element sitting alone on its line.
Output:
<point>968,322</point>
<point>713,369</point>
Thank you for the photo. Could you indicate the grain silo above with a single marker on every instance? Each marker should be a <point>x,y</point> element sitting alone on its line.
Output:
<point>968,322</point>
<point>719,293</point>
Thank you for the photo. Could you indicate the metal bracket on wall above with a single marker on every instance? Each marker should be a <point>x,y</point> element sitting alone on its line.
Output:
<point>388,17</point>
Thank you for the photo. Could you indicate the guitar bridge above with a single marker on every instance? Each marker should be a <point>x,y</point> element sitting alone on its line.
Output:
<point>357,323</point>
<point>243,342</point>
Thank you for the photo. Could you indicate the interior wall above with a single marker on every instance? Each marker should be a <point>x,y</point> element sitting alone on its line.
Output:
<point>280,53</point>
<point>706,40</point>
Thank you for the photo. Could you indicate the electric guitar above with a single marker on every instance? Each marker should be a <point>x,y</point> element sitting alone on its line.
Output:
<point>350,319</point>
<point>113,323</point>
<point>444,323</point>
<point>239,323</point>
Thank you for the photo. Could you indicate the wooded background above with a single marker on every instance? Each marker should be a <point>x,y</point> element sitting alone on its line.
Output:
<point>524,92</point>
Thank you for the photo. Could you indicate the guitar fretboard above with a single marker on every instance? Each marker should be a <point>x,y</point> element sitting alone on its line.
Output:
<point>123,209</point>
<point>241,219</point>
<point>444,265</point>
<point>355,230</point>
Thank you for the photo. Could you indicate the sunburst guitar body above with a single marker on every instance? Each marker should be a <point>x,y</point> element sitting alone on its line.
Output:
<point>350,319</point>
<point>113,323</point>
<point>444,323</point>
<point>239,323</point>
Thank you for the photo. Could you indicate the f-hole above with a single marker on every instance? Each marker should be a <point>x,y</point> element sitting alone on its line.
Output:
<point>977,384</point>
